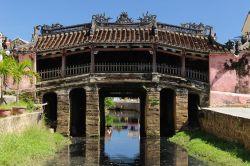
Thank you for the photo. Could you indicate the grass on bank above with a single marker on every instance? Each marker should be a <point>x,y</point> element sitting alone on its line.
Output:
<point>212,149</point>
<point>16,104</point>
<point>30,147</point>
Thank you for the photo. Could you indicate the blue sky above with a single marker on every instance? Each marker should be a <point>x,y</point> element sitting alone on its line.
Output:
<point>18,18</point>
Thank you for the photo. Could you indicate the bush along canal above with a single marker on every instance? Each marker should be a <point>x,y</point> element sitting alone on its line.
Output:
<point>212,149</point>
<point>31,147</point>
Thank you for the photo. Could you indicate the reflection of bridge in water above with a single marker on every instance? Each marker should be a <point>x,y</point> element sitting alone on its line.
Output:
<point>127,120</point>
<point>150,152</point>
<point>125,113</point>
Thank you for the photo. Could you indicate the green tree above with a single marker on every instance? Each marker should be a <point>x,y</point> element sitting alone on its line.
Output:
<point>20,69</point>
<point>109,102</point>
<point>5,70</point>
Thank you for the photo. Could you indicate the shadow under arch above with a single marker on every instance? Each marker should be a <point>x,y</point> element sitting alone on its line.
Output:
<point>77,98</point>
<point>50,110</point>
<point>167,112</point>
<point>193,106</point>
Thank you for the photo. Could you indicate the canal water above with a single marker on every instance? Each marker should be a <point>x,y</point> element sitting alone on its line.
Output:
<point>122,145</point>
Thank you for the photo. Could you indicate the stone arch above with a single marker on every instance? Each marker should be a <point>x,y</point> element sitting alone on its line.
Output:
<point>77,97</point>
<point>122,91</point>
<point>193,105</point>
<point>50,110</point>
<point>167,112</point>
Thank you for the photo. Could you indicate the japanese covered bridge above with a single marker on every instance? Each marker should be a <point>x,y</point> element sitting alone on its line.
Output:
<point>166,66</point>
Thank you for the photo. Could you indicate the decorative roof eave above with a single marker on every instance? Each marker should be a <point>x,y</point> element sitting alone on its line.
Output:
<point>25,48</point>
<point>124,31</point>
<point>129,45</point>
<point>222,48</point>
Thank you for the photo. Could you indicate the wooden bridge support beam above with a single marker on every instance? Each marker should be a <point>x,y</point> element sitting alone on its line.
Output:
<point>152,113</point>
<point>63,68</point>
<point>183,66</point>
<point>92,60</point>
<point>154,61</point>
<point>181,108</point>
<point>92,112</point>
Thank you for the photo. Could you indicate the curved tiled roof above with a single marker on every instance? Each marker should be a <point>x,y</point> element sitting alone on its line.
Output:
<point>125,31</point>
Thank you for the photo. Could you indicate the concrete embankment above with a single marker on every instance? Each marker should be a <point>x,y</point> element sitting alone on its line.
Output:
<point>232,124</point>
<point>19,122</point>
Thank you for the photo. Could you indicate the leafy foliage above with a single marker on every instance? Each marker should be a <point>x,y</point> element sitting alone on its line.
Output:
<point>109,102</point>
<point>241,66</point>
<point>109,120</point>
<point>11,67</point>
<point>28,100</point>
<point>6,65</point>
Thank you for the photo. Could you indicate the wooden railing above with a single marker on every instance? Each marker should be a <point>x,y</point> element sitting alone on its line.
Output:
<point>50,73</point>
<point>197,75</point>
<point>77,70</point>
<point>168,69</point>
<point>122,68</point>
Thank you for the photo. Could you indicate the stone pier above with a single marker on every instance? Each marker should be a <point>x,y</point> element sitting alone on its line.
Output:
<point>152,113</point>
<point>63,112</point>
<point>92,112</point>
<point>181,112</point>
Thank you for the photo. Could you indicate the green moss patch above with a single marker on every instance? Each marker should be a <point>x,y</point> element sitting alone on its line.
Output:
<point>212,149</point>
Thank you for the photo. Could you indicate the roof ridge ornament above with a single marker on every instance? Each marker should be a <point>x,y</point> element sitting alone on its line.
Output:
<point>45,29</point>
<point>101,18</point>
<point>205,29</point>
<point>98,19</point>
<point>124,19</point>
<point>150,19</point>
<point>147,18</point>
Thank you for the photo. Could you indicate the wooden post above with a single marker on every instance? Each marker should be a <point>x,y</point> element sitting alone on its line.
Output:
<point>92,63</point>
<point>63,67</point>
<point>154,67</point>
<point>183,64</point>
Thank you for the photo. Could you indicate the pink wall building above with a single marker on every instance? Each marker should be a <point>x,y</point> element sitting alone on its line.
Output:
<point>229,77</point>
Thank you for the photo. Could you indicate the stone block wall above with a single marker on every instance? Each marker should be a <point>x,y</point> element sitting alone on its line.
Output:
<point>63,114</point>
<point>181,108</point>
<point>18,123</point>
<point>152,113</point>
<point>228,127</point>
<point>92,113</point>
